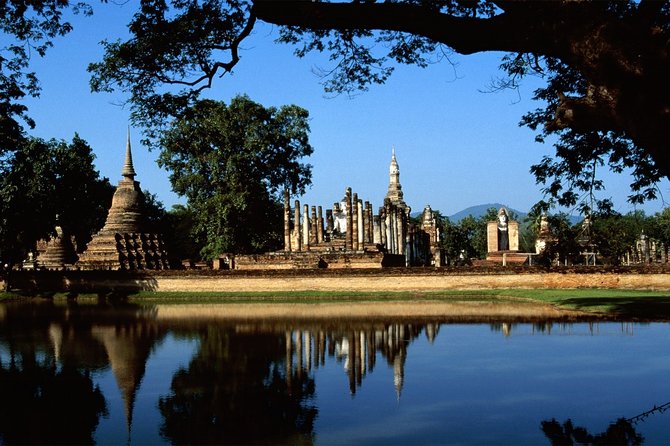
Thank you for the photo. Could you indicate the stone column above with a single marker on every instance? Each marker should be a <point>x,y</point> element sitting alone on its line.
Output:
<point>376,230</point>
<point>370,223</point>
<point>348,241</point>
<point>330,223</point>
<point>319,225</point>
<point>287,221</point>
<point>382,227</point>
<point>297,228</point>
<point>305,227</point>
<point>390,234</point>
<point>404,226</point>
<point>411,251</point>
<point>354,223</point>
<point>400,245</point>
<point>513,231</point>
<point>491,236</point>
<point>313,238</point>
<point>361,225</point>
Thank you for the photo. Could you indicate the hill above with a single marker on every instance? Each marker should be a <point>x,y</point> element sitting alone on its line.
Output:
<point>480,210</point>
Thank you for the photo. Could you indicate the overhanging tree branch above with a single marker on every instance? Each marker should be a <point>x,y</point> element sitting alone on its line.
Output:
<point>466,35</point>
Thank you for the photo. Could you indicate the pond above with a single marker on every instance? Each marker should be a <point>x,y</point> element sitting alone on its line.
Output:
<point>119,374</point>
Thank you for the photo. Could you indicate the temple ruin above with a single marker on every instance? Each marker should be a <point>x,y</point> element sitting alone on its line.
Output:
<point>351,236</point>
<point>503,240</point>
<point>125,242</point>
<point>55,253</point>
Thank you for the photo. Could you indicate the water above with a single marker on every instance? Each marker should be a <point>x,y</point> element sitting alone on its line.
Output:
<point>121,375</point>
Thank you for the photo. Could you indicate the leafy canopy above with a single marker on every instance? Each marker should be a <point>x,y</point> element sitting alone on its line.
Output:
<point>45,183</point>
<point>606,65</point>
<point>232,163</point>
<point>27,29</point>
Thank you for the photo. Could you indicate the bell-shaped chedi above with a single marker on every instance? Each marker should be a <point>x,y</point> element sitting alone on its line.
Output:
<point>56,253</point>
<point>125,242</point>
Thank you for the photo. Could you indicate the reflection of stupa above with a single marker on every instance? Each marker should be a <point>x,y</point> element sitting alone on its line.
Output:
<point>128,349</point>
<point>123,243</point>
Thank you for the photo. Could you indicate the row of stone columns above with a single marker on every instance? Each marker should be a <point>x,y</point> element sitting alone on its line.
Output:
<point>391,228</point>
<point>393,224</point>
<point>308,230</point>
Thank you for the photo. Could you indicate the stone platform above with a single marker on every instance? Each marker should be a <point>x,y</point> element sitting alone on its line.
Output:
<point>318,259</point>
<point>507,257</point>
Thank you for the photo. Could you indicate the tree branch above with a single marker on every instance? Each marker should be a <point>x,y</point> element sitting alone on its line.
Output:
<point>467,35</point>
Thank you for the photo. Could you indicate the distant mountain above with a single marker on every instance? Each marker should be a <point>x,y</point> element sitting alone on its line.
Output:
<point>480,210</point>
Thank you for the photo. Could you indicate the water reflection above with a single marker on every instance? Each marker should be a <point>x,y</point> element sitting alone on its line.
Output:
<point>621,432</point>
<point>235,391</point>
<point>245,381</point>
<point>356,347</point>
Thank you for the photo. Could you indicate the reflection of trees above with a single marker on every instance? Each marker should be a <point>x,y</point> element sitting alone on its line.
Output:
<point>52,351</point>
<point>235,390</point>
<point>252,382</point>
<point>44,404</point>
<point>621,432</point>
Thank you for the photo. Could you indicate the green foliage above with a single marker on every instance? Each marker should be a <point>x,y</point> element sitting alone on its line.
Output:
<point>466,239</point>
<point>82,198</point>
<point>615,235</point>
<point>176,44</point>
<point>572,176</point>
<point>563,247</point>
<point>27,29</point>
<point>605,65</point>
<point>45,179</point>
<point>232,163</point>
<point>178,233</point>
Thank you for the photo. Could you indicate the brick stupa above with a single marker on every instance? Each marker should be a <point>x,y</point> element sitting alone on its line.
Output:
<point>124,243</point>
<point>56,253</point>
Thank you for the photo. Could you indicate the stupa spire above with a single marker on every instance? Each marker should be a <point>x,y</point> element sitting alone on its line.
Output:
<point>128,169</point>
<point>395,189</point>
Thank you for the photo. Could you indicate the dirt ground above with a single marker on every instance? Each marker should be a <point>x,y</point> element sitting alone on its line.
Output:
<point>403,282</point>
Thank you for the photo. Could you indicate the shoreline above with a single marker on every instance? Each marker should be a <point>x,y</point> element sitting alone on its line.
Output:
<point>453,311</point>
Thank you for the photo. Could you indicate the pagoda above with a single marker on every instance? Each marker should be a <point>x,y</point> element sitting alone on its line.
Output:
<point>56,253</point>
<point>124,242</point>
<point>394,194</point>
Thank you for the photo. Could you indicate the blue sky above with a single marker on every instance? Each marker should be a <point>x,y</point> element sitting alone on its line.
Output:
<point>456,146</point>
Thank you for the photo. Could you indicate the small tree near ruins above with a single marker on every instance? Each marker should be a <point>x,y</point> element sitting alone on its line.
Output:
<point>232,163</point>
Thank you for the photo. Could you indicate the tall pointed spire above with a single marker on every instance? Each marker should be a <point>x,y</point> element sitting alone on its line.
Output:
<point>395,189</point>
<point>128,169</point>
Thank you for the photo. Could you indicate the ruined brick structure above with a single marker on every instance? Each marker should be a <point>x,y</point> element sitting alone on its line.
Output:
<point>57,253</point>
<point>351,236</point>
<point>125,242</point>
<point>503,240</point>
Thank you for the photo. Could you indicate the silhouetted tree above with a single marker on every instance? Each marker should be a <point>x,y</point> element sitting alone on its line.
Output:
<point>619,433</point>
<point>605,64</point>
<point>43,180</point>
<point>232,163</point>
